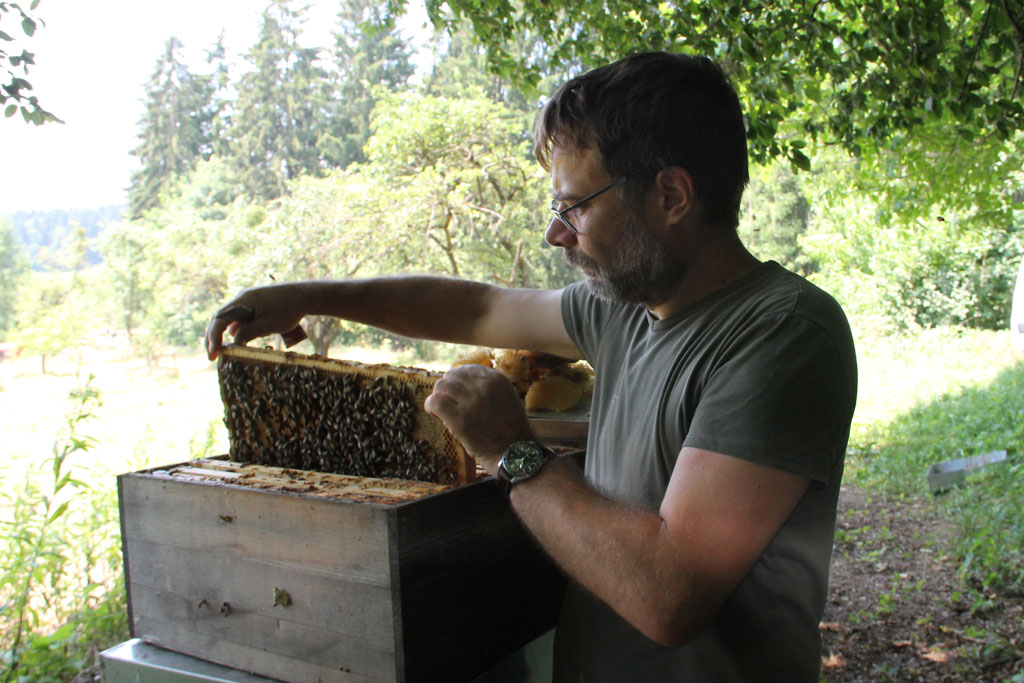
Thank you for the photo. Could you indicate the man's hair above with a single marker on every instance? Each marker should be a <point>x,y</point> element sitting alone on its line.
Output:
<point>650,111</point>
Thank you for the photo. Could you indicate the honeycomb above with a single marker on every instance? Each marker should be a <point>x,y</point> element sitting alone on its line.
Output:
<point>301,412</point>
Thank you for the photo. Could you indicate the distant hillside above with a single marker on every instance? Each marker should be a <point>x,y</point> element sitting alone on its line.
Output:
<point>45,234</point>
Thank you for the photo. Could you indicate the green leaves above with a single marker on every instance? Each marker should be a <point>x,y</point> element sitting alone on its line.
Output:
<point>57,513</point>
<point>16,66</point>
<point>798,158</point>
<point>856,73</point>
<point>45,578</point>
<point>883,251</point>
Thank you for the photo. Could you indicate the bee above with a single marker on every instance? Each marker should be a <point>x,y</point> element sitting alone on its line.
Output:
<point>281,598</point>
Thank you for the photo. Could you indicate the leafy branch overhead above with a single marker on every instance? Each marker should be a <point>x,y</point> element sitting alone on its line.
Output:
<point>14,89</point>
<point>854,72</point>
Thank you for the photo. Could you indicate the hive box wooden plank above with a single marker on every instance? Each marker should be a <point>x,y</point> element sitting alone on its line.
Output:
<point>279,574</point>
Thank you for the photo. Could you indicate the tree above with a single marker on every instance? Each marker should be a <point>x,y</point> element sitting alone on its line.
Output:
<point>774,217</point>
<point>325,227</point>
<point>13,95</point>
<point>449,187</point>
<point>175,131</point>
<point>281,107</point>
<point>836,70</point>
<point>52,310</point>
<point>887,253</point>
<point>366,57</point>
<point>179,282</point>
<point>124,258</point>
<point>12,269</point>
<point>924,98</point>
<point>460,192</point>
<point>221,104</point>
<point>460,61</point>
<point>50,317</point>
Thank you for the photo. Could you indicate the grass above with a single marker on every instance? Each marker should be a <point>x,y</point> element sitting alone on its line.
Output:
<point>924,398</point>
<point>937,396</point>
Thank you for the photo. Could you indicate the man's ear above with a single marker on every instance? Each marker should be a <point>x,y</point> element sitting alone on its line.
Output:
<point>676,193</point>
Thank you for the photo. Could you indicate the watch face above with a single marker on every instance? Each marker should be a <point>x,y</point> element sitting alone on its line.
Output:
<point>517,464</point>
<point>524,459</point>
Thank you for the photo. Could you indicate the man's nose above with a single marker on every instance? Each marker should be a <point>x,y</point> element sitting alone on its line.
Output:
<point>558,234</point>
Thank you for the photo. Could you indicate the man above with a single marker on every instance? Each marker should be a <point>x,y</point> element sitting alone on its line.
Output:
<point>699,537</point>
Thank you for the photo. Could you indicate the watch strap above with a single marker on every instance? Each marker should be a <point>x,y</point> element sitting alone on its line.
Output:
<point>504,480</point>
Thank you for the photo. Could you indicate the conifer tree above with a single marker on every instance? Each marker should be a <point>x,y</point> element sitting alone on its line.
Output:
<point>12,268</point>
<point>175,130</point>
<point>281,107</point>
<point>222,99</point>
<point>366,54</point>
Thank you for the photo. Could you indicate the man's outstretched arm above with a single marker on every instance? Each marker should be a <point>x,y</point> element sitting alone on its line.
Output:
<point>422,307</point>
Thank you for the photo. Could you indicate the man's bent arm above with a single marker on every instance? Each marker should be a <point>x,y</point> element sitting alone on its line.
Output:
<point>666,573</point>
<point>423,307</point>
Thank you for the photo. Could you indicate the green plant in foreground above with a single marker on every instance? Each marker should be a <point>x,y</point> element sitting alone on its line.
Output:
<point>49,609</point>
<point>894,455</point>
<point>990,514</point>
<point>204,447</point>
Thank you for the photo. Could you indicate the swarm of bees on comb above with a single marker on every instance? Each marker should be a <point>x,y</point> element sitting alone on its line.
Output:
<point>301,412</point>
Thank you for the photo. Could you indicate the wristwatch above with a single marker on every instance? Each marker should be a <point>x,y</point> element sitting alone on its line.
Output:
<point>521,460</point>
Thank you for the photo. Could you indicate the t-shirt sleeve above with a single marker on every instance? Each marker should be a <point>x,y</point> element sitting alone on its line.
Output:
<point>780,397</point>
<point>584,316</point>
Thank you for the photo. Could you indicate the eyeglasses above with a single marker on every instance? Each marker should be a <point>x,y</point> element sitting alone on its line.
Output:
<point>562,214</point>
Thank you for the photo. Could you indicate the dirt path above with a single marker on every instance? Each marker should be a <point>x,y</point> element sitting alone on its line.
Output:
<point>897,609</point>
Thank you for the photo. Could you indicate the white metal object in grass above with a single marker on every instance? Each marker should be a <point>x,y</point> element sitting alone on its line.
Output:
<point>946,475</point>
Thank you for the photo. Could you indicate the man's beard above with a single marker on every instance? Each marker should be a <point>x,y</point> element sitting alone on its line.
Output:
<point>640,271</point>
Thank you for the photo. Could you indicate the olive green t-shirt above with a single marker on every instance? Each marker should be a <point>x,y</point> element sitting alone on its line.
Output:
<point>763,369</point>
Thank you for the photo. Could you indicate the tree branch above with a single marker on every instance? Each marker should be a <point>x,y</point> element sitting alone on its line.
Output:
<point>977,46</point>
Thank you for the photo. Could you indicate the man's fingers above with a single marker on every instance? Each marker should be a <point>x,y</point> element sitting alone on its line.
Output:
<point>215,337</point>
<point>439,405</point>
<point>244,333</point>
<point>227,319</point>
<point>445,396</point>
<point>236,313</point>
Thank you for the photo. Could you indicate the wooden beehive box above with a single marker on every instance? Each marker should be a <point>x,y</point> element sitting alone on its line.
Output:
<point>305,576</point>
<point>301,576</point>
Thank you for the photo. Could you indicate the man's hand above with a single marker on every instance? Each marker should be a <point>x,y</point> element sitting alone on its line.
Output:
<point>254,313</point>
<point>482,409</point>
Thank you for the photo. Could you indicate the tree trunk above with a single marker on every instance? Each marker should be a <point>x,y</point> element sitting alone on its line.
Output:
<point>322,330</point>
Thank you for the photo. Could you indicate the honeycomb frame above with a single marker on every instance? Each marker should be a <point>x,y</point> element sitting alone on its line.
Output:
<point>292,410</point>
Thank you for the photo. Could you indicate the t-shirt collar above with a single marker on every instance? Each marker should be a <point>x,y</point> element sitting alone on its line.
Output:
<point>658,324</point>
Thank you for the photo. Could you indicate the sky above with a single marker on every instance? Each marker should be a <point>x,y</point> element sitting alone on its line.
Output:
<point>93,59</point>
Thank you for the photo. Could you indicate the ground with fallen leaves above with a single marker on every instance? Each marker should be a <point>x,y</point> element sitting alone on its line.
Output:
<point>898,609</point>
